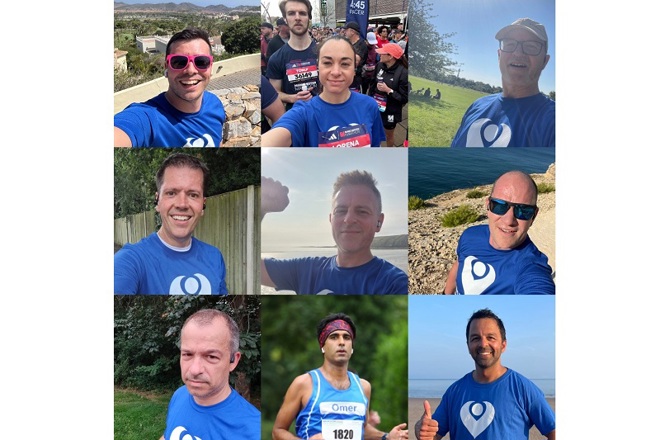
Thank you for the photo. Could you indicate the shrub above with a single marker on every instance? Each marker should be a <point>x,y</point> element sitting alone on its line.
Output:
<point>414,203</point>
<point>459,216</point>
<point>475,194</point>
<point>545,187</point>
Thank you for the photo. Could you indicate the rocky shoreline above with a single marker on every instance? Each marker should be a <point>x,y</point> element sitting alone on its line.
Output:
<point>432,247</point>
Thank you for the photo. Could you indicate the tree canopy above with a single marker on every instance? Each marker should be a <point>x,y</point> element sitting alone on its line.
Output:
<point>242,36</point>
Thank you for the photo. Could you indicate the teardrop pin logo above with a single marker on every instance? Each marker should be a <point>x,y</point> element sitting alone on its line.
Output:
<point>484,417</point>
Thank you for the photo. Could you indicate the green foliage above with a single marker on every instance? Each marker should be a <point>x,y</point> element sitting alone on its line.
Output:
<point>290,347</point>
<point>544,187</point>
<point>475,194</point>
<point>551,95</point>
<point>414,203</point>
<point>147,330</point>
<point>433,123</point>
<point>429,51</point>
<point>459,216</point>
<point>139,416</point>
<point>242,36</point>
<point>135,173</point>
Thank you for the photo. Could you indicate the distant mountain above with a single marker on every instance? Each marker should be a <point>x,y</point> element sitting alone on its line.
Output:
<point>181,7</point>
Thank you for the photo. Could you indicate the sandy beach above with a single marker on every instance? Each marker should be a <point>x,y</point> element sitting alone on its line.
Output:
<point>416,408</point>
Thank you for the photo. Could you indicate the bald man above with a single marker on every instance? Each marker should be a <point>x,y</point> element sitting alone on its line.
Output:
<point>499,258</point>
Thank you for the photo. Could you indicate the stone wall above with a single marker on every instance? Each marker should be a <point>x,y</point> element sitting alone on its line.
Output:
<point>243,110</point>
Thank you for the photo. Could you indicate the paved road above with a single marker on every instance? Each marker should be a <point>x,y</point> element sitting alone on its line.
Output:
<point>238,79</point>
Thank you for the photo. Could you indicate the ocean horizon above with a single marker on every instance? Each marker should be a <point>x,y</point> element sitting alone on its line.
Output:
<point>435,388</point>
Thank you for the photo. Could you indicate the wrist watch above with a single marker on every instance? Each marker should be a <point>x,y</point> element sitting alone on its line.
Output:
<point>384,437</point>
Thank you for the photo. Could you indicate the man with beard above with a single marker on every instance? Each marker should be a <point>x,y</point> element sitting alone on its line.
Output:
<point>492,402</point>
<point>331,402</point>
<point>519,116</point>
<point>186,115</point>
<point>293,69</point>
<point>207,407</point>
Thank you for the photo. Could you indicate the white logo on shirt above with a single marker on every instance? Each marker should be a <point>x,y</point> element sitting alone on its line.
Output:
<point>197,284</point>
<point>476,276</point>
<point>206,142</point>
<point>176,434</point>
<point>484,133</point>
<point>475,419</point>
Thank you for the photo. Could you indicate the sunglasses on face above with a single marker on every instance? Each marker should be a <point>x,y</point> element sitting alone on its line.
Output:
<point>520,211</point>
<point>180,62</point>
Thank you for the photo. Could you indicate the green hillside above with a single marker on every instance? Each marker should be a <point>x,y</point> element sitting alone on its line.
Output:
<point>432,122</point>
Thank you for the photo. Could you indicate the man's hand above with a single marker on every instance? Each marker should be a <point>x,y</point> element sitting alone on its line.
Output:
<point>398,433</point>
<point>303,95</point>
<point>274,196</point>
<point>426,428</point>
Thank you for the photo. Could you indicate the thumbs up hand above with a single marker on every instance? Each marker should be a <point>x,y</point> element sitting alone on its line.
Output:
<point>426,428</point>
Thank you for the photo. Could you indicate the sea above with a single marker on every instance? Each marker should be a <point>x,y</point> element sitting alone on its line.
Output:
<point>433,171</point>
<point>435,388</point>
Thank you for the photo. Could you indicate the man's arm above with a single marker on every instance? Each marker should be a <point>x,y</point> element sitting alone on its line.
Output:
<point>426,428</point>
<point>122,139</point>
<point>370,431</point>
<point>291,406</point>
<point>303,95</point>
<point>551,435</point>
<point>450,286</point>
<point>274,198</point>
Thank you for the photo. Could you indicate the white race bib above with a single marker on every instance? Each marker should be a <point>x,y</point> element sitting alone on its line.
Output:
<point>341,429</point>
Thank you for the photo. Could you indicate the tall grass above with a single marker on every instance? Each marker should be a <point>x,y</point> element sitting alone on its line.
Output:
<point>432,122</point>
<point>140,416</point>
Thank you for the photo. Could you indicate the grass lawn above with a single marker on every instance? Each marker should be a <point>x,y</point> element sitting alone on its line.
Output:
<point>139,415</point>
<point>432,122</point>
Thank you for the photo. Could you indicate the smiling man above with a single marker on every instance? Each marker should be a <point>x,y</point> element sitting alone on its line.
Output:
<point>331,402</point>
<point>172,261</point>
<point>207,407</point>
<point>520,116</point>
<point>355,218</point>
<point>492,402</point>
<point>186,115</point>
<point>499,258</point>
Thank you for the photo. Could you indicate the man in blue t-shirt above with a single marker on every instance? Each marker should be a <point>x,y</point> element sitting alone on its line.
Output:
<point>293,68</point>
<point>207,407</point>
<point>492,402</point>
<point>186,115</point>
<point>499,258</point>
<point>171,261</point>
<point>520,116</point>
<point>355,218</point>
<point>331,402</point>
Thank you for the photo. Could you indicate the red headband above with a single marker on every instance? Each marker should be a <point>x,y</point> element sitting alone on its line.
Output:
<point>333,326</point>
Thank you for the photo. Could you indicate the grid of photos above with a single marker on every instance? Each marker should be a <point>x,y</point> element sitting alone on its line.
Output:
<point>395,282</point>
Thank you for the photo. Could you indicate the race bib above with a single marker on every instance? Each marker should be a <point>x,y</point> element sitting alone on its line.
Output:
<point>341,429</point>
<point>303,75</point>
<point>381,101</point>
<point>353,136</point>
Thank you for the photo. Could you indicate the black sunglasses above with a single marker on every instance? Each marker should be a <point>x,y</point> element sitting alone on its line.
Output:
<point>180,62</point>
<point>520,210</point>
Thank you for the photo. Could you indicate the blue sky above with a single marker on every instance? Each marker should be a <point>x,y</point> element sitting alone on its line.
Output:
<point>202,3</point>
<point>477,21</point>
<point>309,173</point>
<point>437,348</point>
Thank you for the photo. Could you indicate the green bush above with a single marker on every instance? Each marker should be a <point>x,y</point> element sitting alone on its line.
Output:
<point>414,203</point>
<point>545,187</point>
<point>459,216</point>
<point>475,194</point>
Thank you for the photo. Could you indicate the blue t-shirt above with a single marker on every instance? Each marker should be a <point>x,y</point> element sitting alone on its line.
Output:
<point>156,123</point>
<point>233,418</point>
<point>297,69</point>
<point>484,270</point>
<point>268,93</point>
<point>330,404</point>
<point>322,276</point>
<point>316,123</point>
<point>149,267</point>
<point>495,121</point>
<point>505,409</point>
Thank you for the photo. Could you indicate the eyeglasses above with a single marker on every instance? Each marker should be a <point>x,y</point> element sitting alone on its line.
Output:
<point>520,211</point>
<point>180,62</point>
<point>528,47</point>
